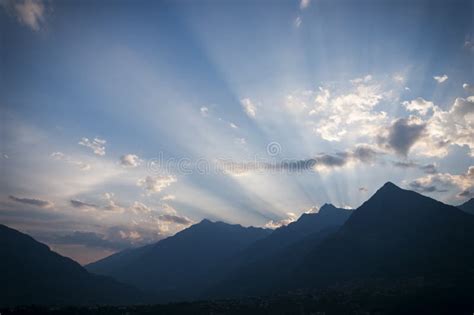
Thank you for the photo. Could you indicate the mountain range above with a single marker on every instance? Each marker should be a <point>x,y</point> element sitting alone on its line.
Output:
<point>396,236</point>
<point>33,274</point>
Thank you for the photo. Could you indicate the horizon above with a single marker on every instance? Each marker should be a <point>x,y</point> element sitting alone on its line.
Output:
<point>124,123</point>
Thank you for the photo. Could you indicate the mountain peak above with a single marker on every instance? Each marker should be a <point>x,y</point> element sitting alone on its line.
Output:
<point>389,185</point>
<point>205,221</point>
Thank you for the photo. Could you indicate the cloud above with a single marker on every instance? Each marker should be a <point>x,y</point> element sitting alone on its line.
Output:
<point>466,194</point>
<point>440,78</point>
<point>291,217</point>
<point>168,197</point>
<point>469,43</point>
<point>335,117</point>
<point>34,202</point>
<point>443,182</point>
<point>399,78</point>
<point>233,126</point>
<point>129,160</point>
<point>28,12</point>
<point>79,204</point>
<point>204,111</point>
<point>175,219</point>
<point>365,79</point>
<point>425,187</point>
<point>468,87</point>
<point>453,127</point>
<point>114,238</point>
<point>156,184</point>
<point>427,168</point>
<point>111,205</point>
<point>419,105</point>
<point>97,145</point>
<point>304,4</point>
<point>402,134</point>
<point>249,107</point>
<point>322,162</point>
<point>59,156</point>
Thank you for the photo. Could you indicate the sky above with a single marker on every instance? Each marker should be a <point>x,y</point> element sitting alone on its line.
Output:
<point>124,122</point>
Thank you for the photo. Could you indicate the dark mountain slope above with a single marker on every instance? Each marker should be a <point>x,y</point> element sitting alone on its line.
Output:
<point>181,266</point>
<point>395,234</point>
<point>262,267</point>
<point>33,274</point>
<point>468,206</point>
<point>309,223</point>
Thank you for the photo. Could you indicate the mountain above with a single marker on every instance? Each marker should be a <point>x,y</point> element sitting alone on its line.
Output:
<point>259,268</point>
<point>327,217</point>
<point>33,274</point>
<point>468,206</point>
<point>396,234</point>
<point>183,265</point>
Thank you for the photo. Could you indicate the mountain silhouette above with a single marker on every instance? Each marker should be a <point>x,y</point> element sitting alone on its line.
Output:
<point>180,266</point>
<point>395,234</point>
<point>33,274</point>
<point>396,237</point>
<point>261,266</point>
<point>327,217</point>
<point>468,206</point>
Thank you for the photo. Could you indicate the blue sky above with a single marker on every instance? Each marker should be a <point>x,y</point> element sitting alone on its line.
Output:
<point>125,121</point>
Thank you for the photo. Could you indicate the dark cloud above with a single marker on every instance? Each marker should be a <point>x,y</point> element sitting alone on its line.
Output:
<point>175,219</point>
<point>425,187</point>
<point>402,135</point>
<point>466,193</point>
<point>80,204</point>
<point>31,201</point>
<point>339,159</point>
<point>427,168</point>
<point>364,154</point>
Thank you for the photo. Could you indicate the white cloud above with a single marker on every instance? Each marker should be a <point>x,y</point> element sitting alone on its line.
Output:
<point>111,205</point>
<point>365,79</point>
<point>130,160</point>
<point>59,156</point>
<point>249,107</point>
<point>453,127</point>
<point>97,145</point>
<point>347,114</point>
<point>440,78</point>
<point>156,184</point>
<point>444,182</point>
<point>234,126</point>
<point>468,87</point>
<point>399,78</point>
<point>304,4</point>
<point>168,197</point>
<point>204,111</point>
<point>419,105</point>
<point>28,12</point>
<point>291,217</point>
